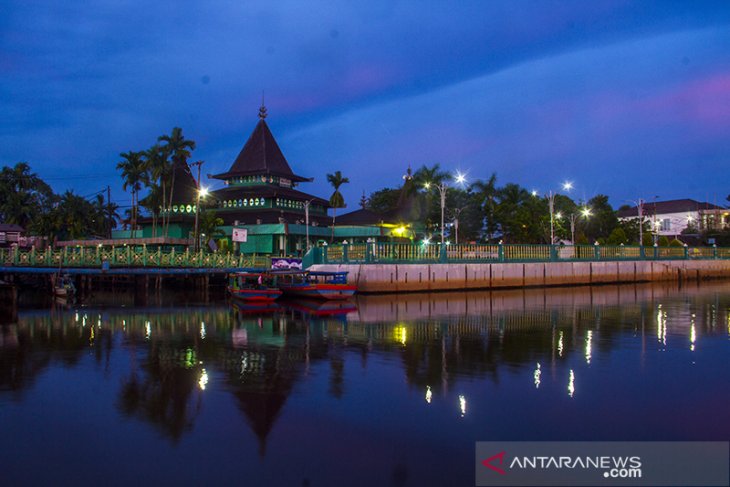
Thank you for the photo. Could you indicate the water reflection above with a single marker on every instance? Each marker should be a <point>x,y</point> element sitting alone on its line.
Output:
<point>172,357</point>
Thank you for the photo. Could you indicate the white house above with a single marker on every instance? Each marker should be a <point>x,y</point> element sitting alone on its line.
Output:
<point>670,218</point>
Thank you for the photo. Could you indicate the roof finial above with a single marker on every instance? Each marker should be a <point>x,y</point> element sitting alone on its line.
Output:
<point>409,174</point>
<point>262,110</point>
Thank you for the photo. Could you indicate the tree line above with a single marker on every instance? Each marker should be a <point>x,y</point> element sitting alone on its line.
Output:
<point>481,211</point>
<point>484,211</point>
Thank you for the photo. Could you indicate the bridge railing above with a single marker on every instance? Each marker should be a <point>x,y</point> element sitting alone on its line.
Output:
<point>127,256</point>
<point>413,253</point>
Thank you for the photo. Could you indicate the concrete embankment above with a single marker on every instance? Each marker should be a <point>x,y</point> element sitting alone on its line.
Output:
<point>388,278</point>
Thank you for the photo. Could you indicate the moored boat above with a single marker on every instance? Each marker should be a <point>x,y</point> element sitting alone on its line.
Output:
<point>63,287</point>
<point>253,286</point>
<point>316,284</point>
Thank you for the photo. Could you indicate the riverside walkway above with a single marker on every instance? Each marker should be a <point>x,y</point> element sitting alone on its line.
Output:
<point>419,253</point>
<point>395,267</point>
<point>124,260</point>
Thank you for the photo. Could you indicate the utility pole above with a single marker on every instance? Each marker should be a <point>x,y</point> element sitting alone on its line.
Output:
<point>109,210</point>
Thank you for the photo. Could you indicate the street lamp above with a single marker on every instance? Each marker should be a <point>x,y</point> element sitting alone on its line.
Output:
<point>460,179</point>
<point>457,212</point>
<point>567,186</point>
<point>202,192</point>
<point>306,219</point>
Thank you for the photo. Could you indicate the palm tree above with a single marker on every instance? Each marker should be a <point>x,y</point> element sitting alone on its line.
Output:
<point>429,175</point>
<point>133,172</point>
<point>209,224</point>
<point>104,215</point>
<point>176,146</point>
<point>336,200</point>
<point>159,170</point>
<point>486,193</point>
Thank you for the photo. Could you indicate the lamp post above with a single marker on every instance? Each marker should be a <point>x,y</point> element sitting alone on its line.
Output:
<point>442,187</point>
<point>306,220</point>
<point>457,212</point>
<point>201,192</point>
<point>640,211</point>
<point>567,186</point>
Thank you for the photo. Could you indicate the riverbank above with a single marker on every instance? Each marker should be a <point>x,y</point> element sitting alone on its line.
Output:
<point>389,278</point>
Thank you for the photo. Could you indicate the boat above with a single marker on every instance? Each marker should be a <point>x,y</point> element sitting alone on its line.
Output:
<point>63,287</point>
<point>253,286</point>
<point>315,284</point>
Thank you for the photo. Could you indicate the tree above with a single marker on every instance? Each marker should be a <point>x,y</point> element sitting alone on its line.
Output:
<point>159,171</point>
<point>485,193</point>
<point>104,215</point>
<point>336,200</point>
<point>134,175</point>
<point>602,220</point>
<point>429,175</point>
<point>384,200</point>
<point>24,196</point>
<point>209,224</point>
<point>178,148</point>
<point>617,237</point>
<point>521,216</point>
<point>75,217</point>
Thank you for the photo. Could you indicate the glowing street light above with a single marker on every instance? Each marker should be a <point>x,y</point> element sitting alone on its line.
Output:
<point>460,178</point>
<point>567,186</point>
<point>202,192</point>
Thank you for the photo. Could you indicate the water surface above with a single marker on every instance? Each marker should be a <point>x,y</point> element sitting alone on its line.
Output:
<point>391,390</point>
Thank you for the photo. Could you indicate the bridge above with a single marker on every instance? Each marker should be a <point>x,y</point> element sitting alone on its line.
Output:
<point>125,260</point>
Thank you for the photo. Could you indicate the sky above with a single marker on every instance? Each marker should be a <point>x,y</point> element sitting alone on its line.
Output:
<point>625,98</point>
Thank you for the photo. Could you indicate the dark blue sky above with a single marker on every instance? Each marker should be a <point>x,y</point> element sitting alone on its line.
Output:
<point>629,99</point>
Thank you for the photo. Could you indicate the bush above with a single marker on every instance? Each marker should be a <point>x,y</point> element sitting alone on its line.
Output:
<point>676,243</point>
<point>647,240</point>
<point>663,241</point>
<point>617,237</point>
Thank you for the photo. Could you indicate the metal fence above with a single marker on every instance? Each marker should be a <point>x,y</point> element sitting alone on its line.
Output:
<point>128,256</point>
<point>407,253</point>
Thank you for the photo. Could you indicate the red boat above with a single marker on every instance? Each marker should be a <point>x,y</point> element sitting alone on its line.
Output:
<point>253,286</point>
<point>314,284</point>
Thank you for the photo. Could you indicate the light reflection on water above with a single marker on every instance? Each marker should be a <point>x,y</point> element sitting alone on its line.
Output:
<point>390,390</point>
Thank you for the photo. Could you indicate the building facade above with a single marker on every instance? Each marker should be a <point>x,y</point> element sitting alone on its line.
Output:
<point>671,218</point>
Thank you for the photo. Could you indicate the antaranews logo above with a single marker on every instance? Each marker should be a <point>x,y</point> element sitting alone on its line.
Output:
<point>607,466</point>
<point>597,463</point>
<point>488,462</point>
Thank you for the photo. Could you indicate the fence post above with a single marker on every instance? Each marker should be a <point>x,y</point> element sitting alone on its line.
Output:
<point>596,251</point>
<point>144,255</point>
<point>15,255</point>
<point>325,254</point>
<point>500,251</point>
<point>714,251</point>
<point>686,252</point>
<point>345,256</point>
<point>442,254</point>
<point>368,251</point>
<point>553,253</point>
<point>656,251</point>
<point>642,254</point>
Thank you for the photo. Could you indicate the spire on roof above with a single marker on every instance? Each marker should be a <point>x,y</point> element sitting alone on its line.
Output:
<point>262,109</point>
<point>409,174</point>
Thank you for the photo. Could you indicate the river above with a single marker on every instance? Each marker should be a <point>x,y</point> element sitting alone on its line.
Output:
<point>385,390</point>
